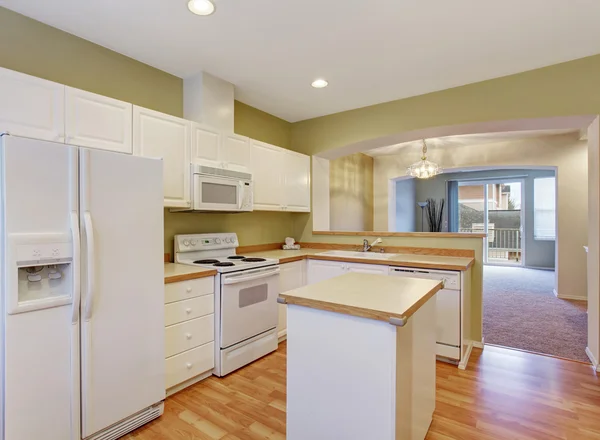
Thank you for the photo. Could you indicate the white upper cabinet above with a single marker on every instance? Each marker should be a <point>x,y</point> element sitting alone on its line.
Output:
<point>96,121</point>
<point>281,179</point>
<point>267,161</point>
<point>205,142</point>
<point>227,149</point>
<point>296,181</point>
<point>235,149</point>
<point>166,137</point>
<point>31,107</point>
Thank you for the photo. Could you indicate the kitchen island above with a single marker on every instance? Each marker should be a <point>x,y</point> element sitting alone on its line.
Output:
<point>361,358</point>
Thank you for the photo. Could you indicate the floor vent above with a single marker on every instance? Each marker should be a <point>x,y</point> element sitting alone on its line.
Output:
<point>118,430</point>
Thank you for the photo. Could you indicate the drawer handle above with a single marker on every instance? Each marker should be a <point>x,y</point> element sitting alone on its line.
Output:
<point>188,310</point>
<point>188,335</point>
<point>188,290</point>
<point>188,365</point>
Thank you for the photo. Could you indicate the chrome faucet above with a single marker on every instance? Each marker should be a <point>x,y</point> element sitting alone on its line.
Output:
<point>367,247</point>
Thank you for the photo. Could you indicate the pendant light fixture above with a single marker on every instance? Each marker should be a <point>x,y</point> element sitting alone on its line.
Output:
<point>424,169</point>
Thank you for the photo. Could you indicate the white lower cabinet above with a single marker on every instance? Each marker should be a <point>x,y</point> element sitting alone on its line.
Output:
<point>181,311</point>
<point>189,332</point>
<point>376,269</point>
<point>291,276</point>
<point>320,270</point>
<point>189,364</point>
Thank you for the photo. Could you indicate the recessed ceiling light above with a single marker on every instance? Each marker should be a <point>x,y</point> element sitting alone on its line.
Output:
<point>201,7</point>
<point>319,83</point>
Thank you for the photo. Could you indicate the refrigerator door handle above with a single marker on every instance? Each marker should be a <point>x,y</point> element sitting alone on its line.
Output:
<point>91,263</point>
<point>76,267</point>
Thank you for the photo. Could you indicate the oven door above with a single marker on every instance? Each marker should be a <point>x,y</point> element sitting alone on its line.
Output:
<point>248,304</point>
<point>216,193</point>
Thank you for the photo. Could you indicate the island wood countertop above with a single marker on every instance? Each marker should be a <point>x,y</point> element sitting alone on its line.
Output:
<point>182,272</point>
<point>370,296</point>
<point>400,260</point>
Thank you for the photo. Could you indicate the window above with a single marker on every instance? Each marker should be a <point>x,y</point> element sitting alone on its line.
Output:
<point>544,208</point>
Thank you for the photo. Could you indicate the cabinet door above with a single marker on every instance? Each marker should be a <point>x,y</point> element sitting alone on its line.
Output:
<point>235,150</point>
<point>321,270</point>
<point>205,142</point>
<point>292,276</point>
<point>96,121</point>
<point>31,107</point>
<point>368,268</point>
<point>267,161</point>
<point>296,172</point>
<point>168,138</point>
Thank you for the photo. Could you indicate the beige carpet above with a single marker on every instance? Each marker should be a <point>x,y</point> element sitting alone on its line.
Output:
<point>521,311</point>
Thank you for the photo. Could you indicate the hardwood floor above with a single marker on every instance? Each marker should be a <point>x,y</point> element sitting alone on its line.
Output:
<point>503,394</point>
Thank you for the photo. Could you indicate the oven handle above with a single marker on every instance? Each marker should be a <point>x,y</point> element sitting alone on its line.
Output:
<point>250,277</point>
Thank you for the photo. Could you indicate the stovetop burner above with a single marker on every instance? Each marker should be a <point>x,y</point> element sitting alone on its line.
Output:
<point>236,257</point>
<point>208,261</point>
<point>253,260</point>
<point>224,264</point>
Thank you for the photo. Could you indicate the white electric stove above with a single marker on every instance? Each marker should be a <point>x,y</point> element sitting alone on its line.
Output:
<point>246,290</point>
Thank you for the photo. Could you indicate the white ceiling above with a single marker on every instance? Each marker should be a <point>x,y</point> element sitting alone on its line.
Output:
<point>469,139</point>
<point>369,51</point>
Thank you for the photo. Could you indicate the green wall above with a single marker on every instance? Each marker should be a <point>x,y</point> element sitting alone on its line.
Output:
<point>256,124</point>
<point>40,50</point>
<point>566,89</point>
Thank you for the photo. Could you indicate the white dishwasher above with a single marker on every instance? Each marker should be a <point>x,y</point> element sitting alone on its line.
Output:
<point>447,307</point>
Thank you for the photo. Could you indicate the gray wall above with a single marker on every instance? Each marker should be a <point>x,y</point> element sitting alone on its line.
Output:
<point>538,253</point>
<point>405,205</point>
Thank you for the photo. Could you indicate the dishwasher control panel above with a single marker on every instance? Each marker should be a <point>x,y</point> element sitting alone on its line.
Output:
<point>451,279</point>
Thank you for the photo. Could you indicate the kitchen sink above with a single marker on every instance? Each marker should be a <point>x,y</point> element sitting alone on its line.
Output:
<point>356,254</point>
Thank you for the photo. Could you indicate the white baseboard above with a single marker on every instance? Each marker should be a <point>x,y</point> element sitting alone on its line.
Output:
<point>478,344</point>
<point>540,268</point>
<point>281,336</point>
<point>188,383</point>
<point>462,365</point>
<point>590,355</point>
<point>579,298</point>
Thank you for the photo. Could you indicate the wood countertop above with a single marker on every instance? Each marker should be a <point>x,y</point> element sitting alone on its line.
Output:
<point>377,297</point>
<point>401,260</point>
<point>182,272</point>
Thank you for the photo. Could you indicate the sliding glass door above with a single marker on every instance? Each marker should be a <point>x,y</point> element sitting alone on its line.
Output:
<point>493,207</point>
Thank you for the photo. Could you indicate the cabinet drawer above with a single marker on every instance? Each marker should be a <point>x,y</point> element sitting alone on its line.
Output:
<point>186,365</point>
<point>181,311</point>
<point>189,334</point>
<point>189,289</point>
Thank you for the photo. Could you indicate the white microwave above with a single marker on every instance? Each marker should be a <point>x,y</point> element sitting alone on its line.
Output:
<point>221,189</point>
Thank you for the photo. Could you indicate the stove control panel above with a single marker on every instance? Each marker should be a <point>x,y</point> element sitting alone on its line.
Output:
<point>200,242</point>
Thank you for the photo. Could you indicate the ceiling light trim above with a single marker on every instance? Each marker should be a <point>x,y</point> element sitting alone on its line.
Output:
<point>202,8</point>
<point>320,83</point>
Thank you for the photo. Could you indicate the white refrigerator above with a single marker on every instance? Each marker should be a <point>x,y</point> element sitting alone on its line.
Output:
<point>82,291</point>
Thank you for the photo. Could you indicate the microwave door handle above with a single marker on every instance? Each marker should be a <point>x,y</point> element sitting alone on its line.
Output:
<point>256,276</point>
<point>240,195</point>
